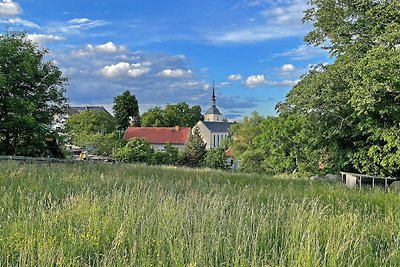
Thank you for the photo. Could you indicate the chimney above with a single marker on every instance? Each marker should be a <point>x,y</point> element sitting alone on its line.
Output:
<point>176,128</point>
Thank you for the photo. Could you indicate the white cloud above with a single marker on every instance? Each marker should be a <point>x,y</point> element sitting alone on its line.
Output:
<point>304,52</point>
<point>76,26</point>
<point>18,21</point>
<point>108,47</point>
<point>235,77</point>
<point>283,83</point>
<point>124,69</point>
<point>8,8</point>
<point>175,73</point>
<point>42,38</point>
<point>287,68</point>
<point>278,19</point>
<point>9,12</point>
<point>79,21</point>
<point>255,80</point>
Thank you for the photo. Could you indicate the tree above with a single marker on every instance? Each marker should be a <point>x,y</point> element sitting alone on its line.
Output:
<point>136,150</point>
<point>353,104</point>
<point>31,94</point>
<point>168,157</point>
<point>153,117</point>
<point>126,108</point>
<point>173,115</point>
<point>216,159</point>
<point>195,149</point>
<point>93,129</point>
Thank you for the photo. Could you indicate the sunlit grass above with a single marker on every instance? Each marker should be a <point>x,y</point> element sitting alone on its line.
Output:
<point>127,215</point>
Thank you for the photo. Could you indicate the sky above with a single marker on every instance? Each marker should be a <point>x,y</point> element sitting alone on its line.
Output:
<point>172,51</point>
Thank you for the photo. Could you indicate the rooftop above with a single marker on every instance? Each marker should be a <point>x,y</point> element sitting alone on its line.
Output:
<point>159,135</point>
<point>217,126</point>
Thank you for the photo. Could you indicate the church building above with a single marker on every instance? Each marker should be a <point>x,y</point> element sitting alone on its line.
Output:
<point>213,129</point>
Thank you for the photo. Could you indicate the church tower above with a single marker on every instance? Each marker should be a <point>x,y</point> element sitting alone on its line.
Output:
<point>213,113</point>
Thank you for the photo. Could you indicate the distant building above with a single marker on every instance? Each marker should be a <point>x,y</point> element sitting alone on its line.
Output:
<point>213,129</point>
<point>76,110</point>
<point>159,136</point>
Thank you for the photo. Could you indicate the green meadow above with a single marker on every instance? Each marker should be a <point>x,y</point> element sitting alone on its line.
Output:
<point>136,215</point>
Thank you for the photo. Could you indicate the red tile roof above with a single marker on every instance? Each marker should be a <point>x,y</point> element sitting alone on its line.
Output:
<point>159,135</point>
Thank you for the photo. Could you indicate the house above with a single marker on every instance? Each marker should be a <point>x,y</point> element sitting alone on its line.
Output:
<point>159,136</point>
<point>213,129</point>
<point>76,110</point>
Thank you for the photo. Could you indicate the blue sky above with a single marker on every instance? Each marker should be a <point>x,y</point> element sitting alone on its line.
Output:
<point>171,51</point>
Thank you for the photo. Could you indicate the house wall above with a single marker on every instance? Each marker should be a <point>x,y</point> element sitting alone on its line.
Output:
<point>160,147</point>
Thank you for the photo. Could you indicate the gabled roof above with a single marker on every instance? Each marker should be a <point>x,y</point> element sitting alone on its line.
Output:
<point>159,135</point>
<point>217,126</point>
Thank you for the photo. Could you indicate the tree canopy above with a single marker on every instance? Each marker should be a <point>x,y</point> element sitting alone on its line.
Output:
<point>195,149</point>
<point>31,94</point>
<point>126,109</point>
<point>180,114</point>
<point>342,116</point>
<point>95,129</point>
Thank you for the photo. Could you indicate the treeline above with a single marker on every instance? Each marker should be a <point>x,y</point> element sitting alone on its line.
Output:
<point>194,155</point>
<point>342,116</point>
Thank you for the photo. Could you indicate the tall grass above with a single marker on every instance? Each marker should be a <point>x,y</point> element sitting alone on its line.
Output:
<point>127,215</point>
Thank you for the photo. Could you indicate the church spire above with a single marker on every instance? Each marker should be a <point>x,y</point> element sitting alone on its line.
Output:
<point>213,100</point>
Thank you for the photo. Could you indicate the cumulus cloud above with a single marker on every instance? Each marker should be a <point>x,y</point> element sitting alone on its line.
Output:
<point>287,68</point>
<point>255,80</point>
<point>43,38</point>
<point>108,47</point>
<point>9,12</point>
<point>235,77</point>
<point>8,8</point>
<point>175,73</point>
<point>124,69</point>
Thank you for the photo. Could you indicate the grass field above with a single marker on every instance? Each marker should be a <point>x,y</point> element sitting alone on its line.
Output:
<point>127,215</point>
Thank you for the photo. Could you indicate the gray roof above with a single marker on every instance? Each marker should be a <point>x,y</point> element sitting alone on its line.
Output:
<point>213,110</point>
<point>218,126</point>
<point>87,108</point>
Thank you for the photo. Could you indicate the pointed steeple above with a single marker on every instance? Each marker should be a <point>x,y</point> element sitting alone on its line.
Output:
<point>213,113</point>
<point>213,99</point>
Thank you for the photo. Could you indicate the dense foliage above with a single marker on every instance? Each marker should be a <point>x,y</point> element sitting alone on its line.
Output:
<point>195,149</point>
<point>126,111</point>
<point>173,115</point>
<point>135,215</point>
<point>136,150</point>
<point>93,129</point>
<point>31,94</point>
<point>216,159</point>
<point>342,116</point>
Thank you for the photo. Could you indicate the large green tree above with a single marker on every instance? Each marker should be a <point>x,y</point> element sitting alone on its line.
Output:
<point>126,109</point>
<point>195,149</point>
<point>341,116</point>
<point>354,102</point>
<point>180,114</point>
<point>94,129</point>
<point>31,94</point>
<point>136,150</point>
